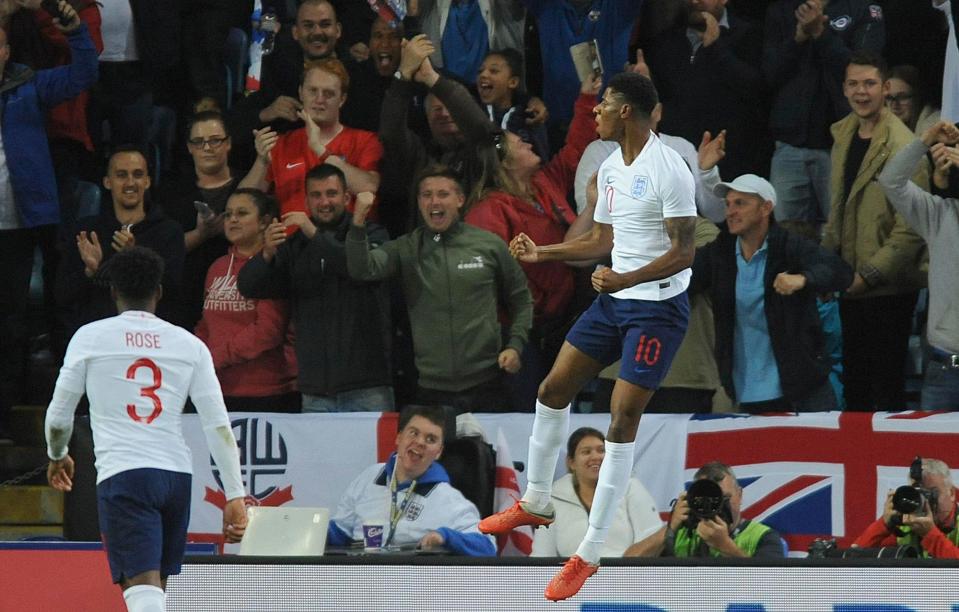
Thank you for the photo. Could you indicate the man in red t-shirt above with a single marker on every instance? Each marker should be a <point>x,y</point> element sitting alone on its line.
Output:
<point>284,160</point>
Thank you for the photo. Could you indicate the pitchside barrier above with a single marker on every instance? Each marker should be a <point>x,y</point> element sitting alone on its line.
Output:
<point>814,475</point>
<point>78,581</point>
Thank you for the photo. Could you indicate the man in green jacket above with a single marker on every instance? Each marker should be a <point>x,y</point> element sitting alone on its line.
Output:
<point>883,251</point>
<point>727,534</point>
<point>454,277</point>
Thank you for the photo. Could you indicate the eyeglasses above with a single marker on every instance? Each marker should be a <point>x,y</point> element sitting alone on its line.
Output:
<point>214,143</point>
<point>899,98</point>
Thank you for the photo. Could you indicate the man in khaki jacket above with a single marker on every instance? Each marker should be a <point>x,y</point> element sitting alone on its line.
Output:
<point>863,227</point>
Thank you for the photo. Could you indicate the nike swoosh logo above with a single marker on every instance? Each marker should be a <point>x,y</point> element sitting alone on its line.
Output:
<point>288,165</point>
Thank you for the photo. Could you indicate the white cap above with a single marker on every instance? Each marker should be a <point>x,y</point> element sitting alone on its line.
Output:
<point>748,183</point>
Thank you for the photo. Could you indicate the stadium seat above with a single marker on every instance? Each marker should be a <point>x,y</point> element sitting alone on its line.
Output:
<point>88,199</point>
<point>471,464</point>
<point>236,57</point>
<point>161,138</point>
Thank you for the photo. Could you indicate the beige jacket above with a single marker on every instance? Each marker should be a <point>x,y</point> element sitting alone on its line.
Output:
<point>863,226</point>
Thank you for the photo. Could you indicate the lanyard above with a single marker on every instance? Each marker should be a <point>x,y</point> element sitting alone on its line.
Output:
<point>397,512</point>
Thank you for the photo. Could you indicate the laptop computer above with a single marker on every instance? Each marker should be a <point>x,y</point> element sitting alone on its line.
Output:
<point>285,532</point>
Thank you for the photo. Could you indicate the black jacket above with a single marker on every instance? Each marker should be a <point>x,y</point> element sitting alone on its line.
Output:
<point>88,299</point>
<point>342,325</point>
<point>177,194</point>
<point>795,329</point>
<point>719,87</point>
<point>806,79</point>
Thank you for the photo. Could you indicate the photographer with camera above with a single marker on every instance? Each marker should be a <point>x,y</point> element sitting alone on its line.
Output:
<point>706,522</point>
<point>920,514</point>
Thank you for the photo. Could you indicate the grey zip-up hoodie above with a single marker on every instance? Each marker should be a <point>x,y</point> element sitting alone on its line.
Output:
<point>936,219</point>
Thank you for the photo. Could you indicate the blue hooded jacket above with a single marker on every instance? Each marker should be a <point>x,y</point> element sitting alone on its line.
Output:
<point>25,96</point>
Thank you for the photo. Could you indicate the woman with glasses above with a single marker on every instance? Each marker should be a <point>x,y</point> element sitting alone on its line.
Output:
<point>248,339</point>
<point>906,101</point>
<point>209,180</point>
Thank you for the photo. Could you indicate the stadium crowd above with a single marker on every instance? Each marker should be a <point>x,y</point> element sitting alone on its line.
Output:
<point>334,215</point>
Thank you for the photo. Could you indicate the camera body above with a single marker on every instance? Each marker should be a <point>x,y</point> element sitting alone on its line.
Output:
<point>706,500</point>
<point>909,499</point>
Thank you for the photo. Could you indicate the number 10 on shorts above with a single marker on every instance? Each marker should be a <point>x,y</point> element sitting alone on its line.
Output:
<point>647,350</point>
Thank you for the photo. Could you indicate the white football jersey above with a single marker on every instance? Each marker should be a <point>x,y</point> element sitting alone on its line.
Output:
<point>636,200</point>
<point>137,371</point>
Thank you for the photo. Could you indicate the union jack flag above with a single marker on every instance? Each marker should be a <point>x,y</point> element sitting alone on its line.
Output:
<point>518,542</point>
<point>820,476</point>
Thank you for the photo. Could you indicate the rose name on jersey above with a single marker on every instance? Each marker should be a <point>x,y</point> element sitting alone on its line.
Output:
<point>141,340</point>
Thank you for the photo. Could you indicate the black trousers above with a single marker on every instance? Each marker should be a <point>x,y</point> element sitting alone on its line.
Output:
<point>16,260</point>
<point>875,341</point>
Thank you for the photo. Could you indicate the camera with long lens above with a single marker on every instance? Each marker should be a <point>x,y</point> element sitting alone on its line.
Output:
<point>909,499</point>
<point>706,500</point>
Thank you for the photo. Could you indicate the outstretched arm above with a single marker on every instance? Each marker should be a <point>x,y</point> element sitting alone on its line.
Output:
<point>594,244</point>
<point>471,544</point>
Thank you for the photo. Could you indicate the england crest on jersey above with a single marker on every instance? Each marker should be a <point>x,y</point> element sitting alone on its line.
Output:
<point>638,189</point>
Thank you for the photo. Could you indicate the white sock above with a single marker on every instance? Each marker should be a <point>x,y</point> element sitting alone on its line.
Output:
<point>145,598</point>
<point>550,428</point>
<point>610,490</point>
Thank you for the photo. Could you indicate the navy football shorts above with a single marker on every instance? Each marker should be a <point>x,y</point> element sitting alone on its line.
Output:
<point>643,334</point>
<point>144,514</point>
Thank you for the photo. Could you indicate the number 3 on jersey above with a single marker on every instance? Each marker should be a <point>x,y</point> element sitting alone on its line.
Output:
<point>149,392</point>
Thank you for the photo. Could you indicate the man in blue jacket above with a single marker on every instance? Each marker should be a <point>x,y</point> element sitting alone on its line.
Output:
<point>29,209</point>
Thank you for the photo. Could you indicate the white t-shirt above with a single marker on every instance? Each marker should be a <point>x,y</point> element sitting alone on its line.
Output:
<point>137,371</point>
<point>117,30</point>
<point>636,200</point>
<point>707,203</point>
<point>9,217</point>
<point>950,74</point>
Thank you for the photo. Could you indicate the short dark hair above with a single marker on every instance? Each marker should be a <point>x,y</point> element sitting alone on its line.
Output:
<point>265,204</point>
<point>325,171</point>
<point>579,435</point>
<point>135,273</point>
<point>638,91</point>
<point>438,171</point>
<point>513,59</point>
<point>128,148</point>
<point>207,115</point>
<point>868,58</point>
<point>715,471</point>
<point>434,414</point>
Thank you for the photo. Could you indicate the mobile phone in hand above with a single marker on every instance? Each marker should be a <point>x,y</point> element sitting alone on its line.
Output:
<point>53,7</point>
<point>203,208</point>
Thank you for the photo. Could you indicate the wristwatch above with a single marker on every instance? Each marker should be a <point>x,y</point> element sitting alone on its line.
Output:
<point>398,76</point>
